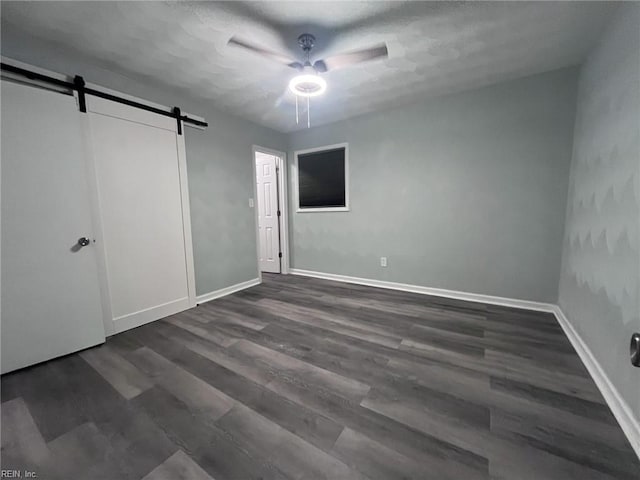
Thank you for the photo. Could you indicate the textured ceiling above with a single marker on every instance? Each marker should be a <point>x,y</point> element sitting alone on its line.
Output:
<point>434,47</point>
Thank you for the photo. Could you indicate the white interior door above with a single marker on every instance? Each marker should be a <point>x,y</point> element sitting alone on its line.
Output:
<point>142,189</point>
<point>50,289</point>
<point>268,222</point>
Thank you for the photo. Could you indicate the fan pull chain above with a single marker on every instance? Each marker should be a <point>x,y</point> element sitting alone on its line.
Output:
<point>297,121</point>
<point>308,114</point>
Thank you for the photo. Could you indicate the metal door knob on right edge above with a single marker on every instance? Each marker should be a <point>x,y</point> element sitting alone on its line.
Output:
<point>634,349</point>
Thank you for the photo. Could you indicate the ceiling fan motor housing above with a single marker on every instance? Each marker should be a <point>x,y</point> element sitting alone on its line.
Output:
<point>306,42</point>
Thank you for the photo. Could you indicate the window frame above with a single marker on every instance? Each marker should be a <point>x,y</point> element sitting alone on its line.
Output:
<point>323,148</point>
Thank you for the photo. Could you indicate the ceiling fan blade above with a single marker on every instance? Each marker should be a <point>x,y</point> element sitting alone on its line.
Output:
<point>351,58</point>
<point>278,57</point>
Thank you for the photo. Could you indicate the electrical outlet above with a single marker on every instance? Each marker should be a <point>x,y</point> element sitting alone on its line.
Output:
<point>383,261</point>
<point>251,203</point>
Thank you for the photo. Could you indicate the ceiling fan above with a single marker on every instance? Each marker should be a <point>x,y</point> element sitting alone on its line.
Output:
<point>309,83</point>
<point>306,41</point>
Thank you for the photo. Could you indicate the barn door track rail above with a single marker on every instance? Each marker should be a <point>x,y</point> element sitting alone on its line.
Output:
<point>79,86</point>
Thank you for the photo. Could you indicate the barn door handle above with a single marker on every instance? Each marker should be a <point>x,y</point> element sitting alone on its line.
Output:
<point>634,349</point>
<point>83,241</point>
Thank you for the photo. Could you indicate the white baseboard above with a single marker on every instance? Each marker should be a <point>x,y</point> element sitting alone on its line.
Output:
<point>148,315</point>
<point>620,409</point>
<point>438,292</point>
<point>226,291</point>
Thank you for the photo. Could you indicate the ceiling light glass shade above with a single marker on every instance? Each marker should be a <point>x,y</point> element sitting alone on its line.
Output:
<point>308,85</point>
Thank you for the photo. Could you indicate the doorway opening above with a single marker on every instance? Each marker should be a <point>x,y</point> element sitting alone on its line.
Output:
<point>271,210</point>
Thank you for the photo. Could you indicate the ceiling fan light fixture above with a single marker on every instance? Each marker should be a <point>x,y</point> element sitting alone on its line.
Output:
<point>308,85</point>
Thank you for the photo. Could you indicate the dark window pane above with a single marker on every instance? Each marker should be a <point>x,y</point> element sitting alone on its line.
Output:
<point>321,179</point>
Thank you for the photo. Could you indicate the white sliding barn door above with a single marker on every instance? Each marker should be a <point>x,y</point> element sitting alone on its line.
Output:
<point>142,188</point>
<point>50,284</point>
<point>268,228</point>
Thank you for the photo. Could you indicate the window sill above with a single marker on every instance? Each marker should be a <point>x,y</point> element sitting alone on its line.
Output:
<point>327,209</point>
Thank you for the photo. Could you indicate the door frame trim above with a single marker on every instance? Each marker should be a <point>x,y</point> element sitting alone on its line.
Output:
<point>283,221</point>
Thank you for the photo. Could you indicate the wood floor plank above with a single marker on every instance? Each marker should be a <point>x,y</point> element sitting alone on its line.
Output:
<point>199,437</point>
<point>178,466</point>
<point>197,394</point>
<point>561,401</point>
<point>515,367</point>
<point>292,455</point>
<point>233,363</point>
<point>228,315</point>
<point>124,377</point>
<point>465,433</point>
<point>294,340</point>
<point>435,403</point>
<point>66,393</point>
<point>20,436</point>
<point>526,463</point>
<point>441,455</point>
<point>476,387</point>
<point>442,349</point>
<point>379,462</point>
<point>188,325</point>
<point>340,327</point>
<point>222,356</point>
<point>345,360</point>
<point>292,369</point>
<point>137,444</point>
<point>463,383</point>
<point>442,339</point>
<point>577,446</point>
<point>87,453</point>
<point>298,419</point>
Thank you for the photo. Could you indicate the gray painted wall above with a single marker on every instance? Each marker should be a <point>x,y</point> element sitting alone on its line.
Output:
<point>221,178</point>
<point>601,259</point>
<point>219,164</point>
<point>464,192</point>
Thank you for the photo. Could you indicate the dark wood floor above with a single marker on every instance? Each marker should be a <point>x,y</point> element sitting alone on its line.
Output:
<point>300,378</point>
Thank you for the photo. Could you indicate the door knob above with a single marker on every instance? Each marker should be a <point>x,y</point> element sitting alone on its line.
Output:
<point>83,241</point>
<point>634,349</point>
